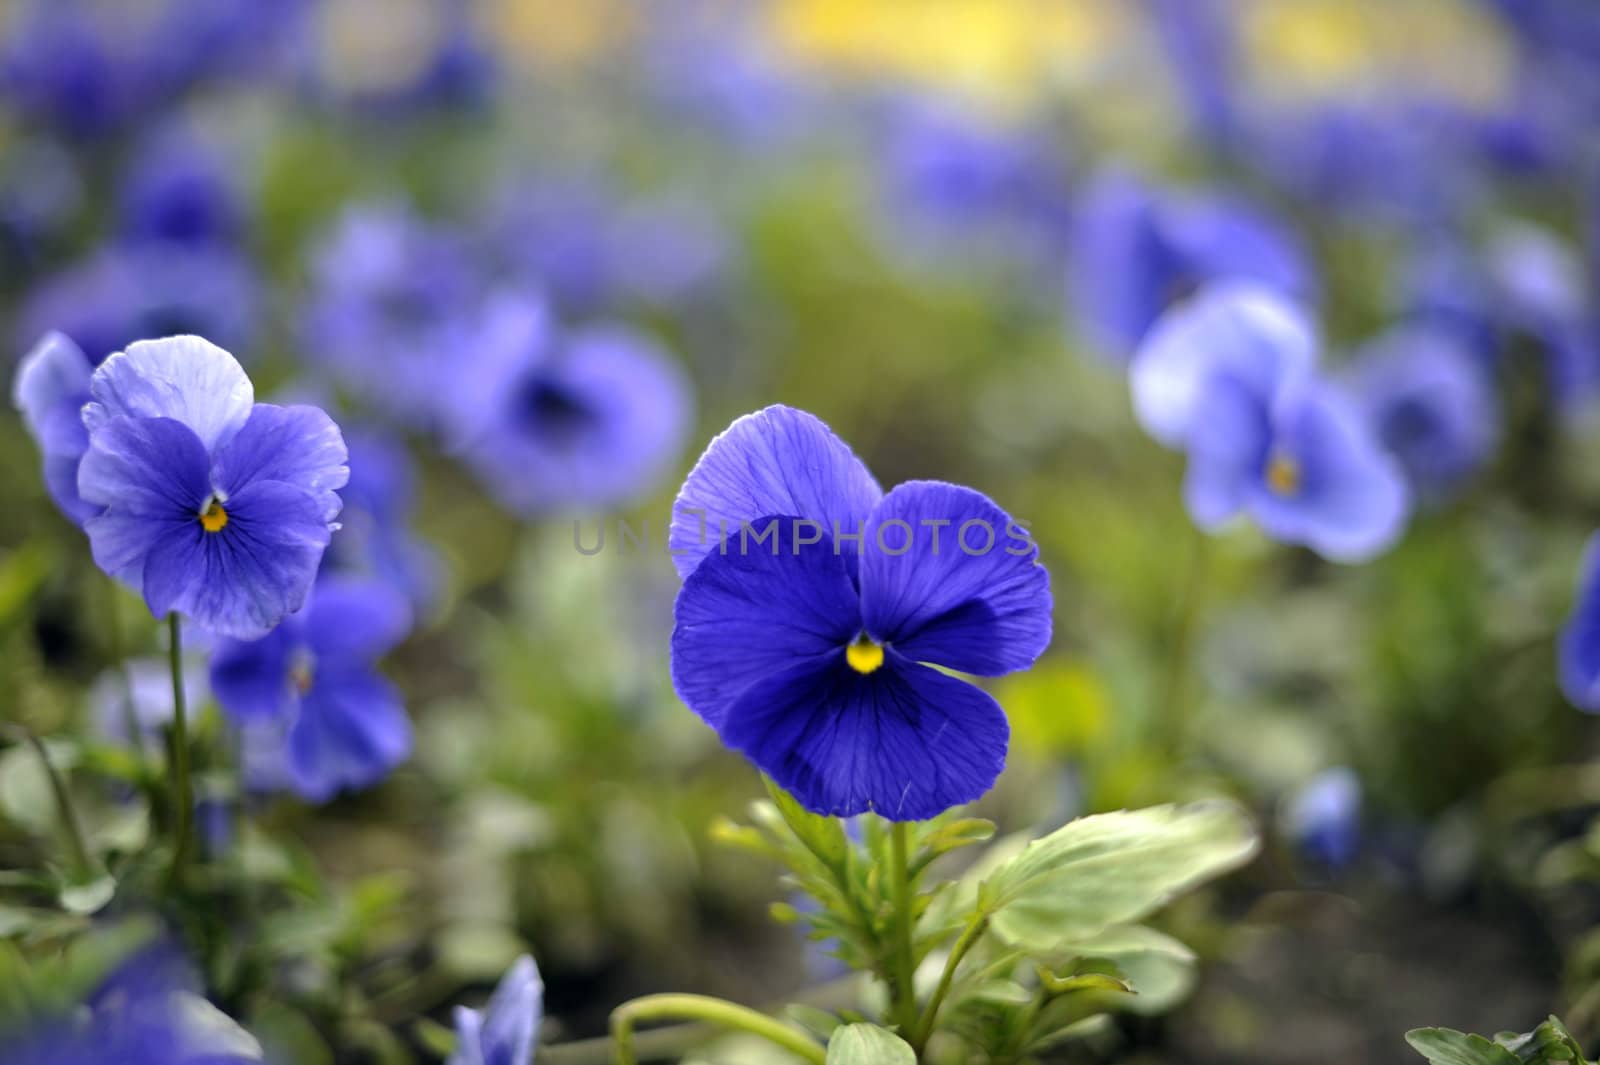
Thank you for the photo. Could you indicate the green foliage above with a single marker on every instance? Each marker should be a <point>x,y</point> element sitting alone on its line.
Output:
<point>1025,946</point>
<point>1548,1044</point>
<point>867,1044</point>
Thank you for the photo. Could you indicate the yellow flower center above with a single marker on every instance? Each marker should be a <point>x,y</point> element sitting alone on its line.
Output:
<point>214,517</point>
<point>864,655</point>
<point>1283,475</point>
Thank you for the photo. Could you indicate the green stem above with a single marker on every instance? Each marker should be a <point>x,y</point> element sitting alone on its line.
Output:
<point>71,828</point>
<point>1173,710</point>
<point>930,1016</point>
<point>182,788</point>
<point>905,991</point>
<point>712,1011</point>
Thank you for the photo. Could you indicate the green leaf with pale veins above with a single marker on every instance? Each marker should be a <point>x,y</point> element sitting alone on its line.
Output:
<point>1446,1046</point>
<point>867,1044</point>
<point>1112,869</point>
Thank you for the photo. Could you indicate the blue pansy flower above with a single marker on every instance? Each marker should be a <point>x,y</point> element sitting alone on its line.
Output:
<point>1431,403</point>
<point>1135,252</point>
<point>546,420</point>
<point>61,68</point>
<point>1228,377</point>
<point>311,693</point>
<point>50,390</point>
<point>214,506</point>
<point>506,1030</point>
<point>1323,818</point>
<point>149,289</point>
<point>812,652</point>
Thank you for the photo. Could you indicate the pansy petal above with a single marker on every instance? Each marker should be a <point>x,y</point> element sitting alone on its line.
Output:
<point>1580,640</point>
<point>1247,330</point>
<point>1227,450</point>
<point>151,466</point>
<point>950,578</point>
<point>151,476</point>
<point>1353,501</point>
<point>355,620</point>
<point>51,387</point>
<point>511,1021</point>
<point>296,445</point>
<point>250,678</point>
<point>904,741</point>
<point>751,612</point>
<point>775,461</point>
<point>183,378</point>
<point>253,571</point>
<point>469,1038</point>
<point>352,730</point>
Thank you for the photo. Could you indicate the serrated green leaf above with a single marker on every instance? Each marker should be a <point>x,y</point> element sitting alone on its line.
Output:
<point>867,1044</point>
<point>1446,1046</point>
<point>1112,869</point>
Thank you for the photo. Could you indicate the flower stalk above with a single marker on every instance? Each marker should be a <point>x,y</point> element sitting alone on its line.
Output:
<point>182,787</point>
<point>709,1010</point>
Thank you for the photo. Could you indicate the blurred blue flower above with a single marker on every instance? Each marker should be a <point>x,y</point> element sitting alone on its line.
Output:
<point>1580,640</point>
<point>71,67</point>
<point>506,1030</point>
<point>152,289</point>
<point>1198,38</point>
<point>146,1012</point>
<point>50,390</point>
<point>1228,377</point>
<point>1430,401</point>
<point>310,691</point>
<point>216,507</point>
<point>375,538</point>
<point>806,654</point>
<point>178,188</point>
<point>707,69</point>
<point>1136,251</point>
<point>131,704</point>
<point>950,175</point>
<point>549,420</point>
<point>41,190</point>
<point>1398,161</point>
<point>591,249</point>
<point>1323,818</point>
<point>392,301</point>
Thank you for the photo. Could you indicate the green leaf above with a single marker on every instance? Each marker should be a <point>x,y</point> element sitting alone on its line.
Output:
<point>1545,1045</point>
<point>955,834</point>
<point>867,1044</point>
<point>1446,1046</point>
<point>1112,869</point>
<point>88,896</point>
<point>822,836</point>
<point>1061,985</point>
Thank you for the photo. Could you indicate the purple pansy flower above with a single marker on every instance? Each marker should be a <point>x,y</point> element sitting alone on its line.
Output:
<point>51,388</point>
<point>548,420</point>
<point>1228,377</point>
<point>214,506</point>
<point>310,690</point>
<point>505,1031</point>
<point>1430,401</point>
<point>806,651</point>
<point>1135,252</point>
